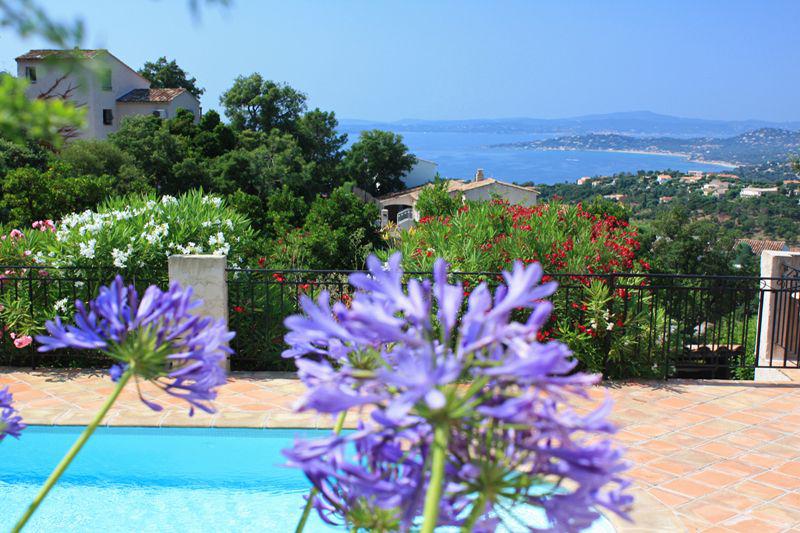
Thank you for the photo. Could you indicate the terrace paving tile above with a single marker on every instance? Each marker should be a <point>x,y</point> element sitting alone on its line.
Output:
<point>758,490</point>
<point>672,466</point>
<point>779,450</point>
<point>711,513</point>
<point>792,499</point>
<point>747,524</point>
<point>732,499</point>
<point>777,513</point>
<point>707,455</point>
<point>721,449</point>
<point>778,480</point>
<point>713,478</point>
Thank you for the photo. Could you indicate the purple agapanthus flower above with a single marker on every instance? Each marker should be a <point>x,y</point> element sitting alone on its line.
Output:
<point>157,338</point>
<point>417,357</point>
<point>10,421</point>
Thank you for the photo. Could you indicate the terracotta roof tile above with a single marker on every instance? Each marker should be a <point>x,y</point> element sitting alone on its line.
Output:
<point>151,95</point>
<point>759,246</point>
<point>33,55</point>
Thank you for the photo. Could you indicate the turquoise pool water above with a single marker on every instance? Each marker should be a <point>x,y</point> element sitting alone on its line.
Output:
<point>160,480</point>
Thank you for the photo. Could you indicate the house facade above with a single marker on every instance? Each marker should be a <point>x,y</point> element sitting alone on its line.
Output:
<point>98,81</point>
<point>755,192</point>
<point>422,172</point>
<point>400,207</point>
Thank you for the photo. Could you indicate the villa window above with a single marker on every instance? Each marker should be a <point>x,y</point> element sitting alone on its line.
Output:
<point>30,73</point>
<point>105,79</point>
<point>108,117</point>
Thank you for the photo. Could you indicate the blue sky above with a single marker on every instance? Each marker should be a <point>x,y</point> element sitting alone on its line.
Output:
<point>387,60</point>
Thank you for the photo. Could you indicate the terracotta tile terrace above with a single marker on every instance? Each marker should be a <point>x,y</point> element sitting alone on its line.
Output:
<point>708,455</point>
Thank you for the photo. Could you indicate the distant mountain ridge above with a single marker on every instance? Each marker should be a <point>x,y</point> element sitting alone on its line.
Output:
<point>633,123</point>
<point>755,147</point>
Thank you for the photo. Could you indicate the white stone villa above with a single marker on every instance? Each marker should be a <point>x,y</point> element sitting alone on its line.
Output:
<point>108,88</point>
<point>400,207</point>
<point>755,192</point>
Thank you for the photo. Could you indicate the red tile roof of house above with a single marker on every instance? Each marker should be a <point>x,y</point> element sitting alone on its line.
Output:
<point>33,55</point>
<point>759,246</point>
<point>151,95</point>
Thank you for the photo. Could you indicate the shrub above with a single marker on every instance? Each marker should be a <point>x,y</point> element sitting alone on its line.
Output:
<point>601,325</point>
<point>30,194</point>
<point>489,236</point>
<point>139,232</point>
<point>435,200</point>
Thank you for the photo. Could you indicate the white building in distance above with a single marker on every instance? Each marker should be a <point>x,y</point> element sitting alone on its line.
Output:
<point>755,192</point>
<point>105,86</point>
<point>421,173</point>
<point>400,207</point>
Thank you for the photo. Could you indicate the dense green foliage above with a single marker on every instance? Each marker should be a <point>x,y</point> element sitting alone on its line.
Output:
<point>377,162</point>
<point>276,162</point>
<point>772,216</point>
<point>436,201</point>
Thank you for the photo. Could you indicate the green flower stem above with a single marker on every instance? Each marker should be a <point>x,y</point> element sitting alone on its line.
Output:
<point>337,428</point>
<point>431,513</point>
<point>477,510</point>
<point>76,447</point>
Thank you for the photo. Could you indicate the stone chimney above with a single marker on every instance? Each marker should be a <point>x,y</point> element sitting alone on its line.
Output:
<point>479,175</point>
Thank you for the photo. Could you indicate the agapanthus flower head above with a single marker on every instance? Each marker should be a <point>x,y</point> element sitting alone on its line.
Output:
<point>422,361</point>
<point>157,338</point>
<point>10,421</point>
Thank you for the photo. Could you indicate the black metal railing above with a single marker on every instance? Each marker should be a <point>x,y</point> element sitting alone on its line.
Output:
<point>30,295</point>
<point>649,325</point>
<point>779,331</point>
<point>621,324</point>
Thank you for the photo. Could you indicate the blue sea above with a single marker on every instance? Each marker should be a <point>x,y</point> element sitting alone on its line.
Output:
<point>460,154</point>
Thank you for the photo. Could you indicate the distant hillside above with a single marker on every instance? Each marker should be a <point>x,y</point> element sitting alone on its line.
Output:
<point>635,123</point>
<point>751,148</point>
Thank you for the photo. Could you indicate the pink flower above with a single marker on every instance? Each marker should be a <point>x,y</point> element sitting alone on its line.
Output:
<point>16,234</point>
<point>21,342</point>
<point>44,225</point>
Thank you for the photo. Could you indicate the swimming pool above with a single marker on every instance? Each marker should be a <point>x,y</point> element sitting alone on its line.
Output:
<point>160,480</point>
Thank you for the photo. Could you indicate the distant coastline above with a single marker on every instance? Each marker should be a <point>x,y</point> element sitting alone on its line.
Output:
<point>687,157</point>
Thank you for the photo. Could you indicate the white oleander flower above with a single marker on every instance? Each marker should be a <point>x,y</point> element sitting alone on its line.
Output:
<point>87,248</point>
<point>61,305</point>
<point>121,257</point>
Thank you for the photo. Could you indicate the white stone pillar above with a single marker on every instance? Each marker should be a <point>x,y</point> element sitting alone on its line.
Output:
<point>206,275</point>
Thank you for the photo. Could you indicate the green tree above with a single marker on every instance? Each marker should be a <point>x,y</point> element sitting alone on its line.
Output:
<point>378,161</point>
<point>165,74</point>
<point>435,200</point>
<point>253,103</point>
<point>322,144</point>
<point>683,246</point>
<point>278,161</point>
<point>29,194</point>
<point>24,119</point>
<point>340,231</point>
<point>600,207</point>
<point>16,155</point>
<point>95,157</point>
<point>213,137</point>
<point>148,141</point>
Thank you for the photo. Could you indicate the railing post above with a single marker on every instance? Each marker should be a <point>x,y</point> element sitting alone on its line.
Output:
<point>206,275</point>
<point>773,316</point>
<point>612,287</point>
